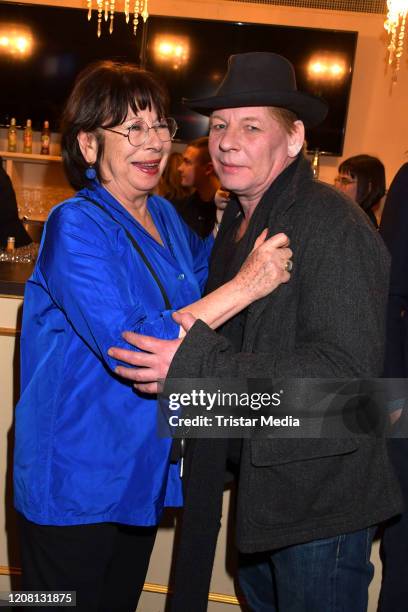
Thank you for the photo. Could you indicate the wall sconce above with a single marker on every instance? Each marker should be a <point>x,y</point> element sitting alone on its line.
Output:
<point>106,10</point>
<point>174,50</point>
<point>15,41</point>
<point>326,67</point>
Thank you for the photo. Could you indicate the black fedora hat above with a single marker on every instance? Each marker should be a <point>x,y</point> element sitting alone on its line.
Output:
<point>262,79</point>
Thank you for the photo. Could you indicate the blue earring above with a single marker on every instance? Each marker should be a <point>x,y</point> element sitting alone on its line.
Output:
<point>90,173</point>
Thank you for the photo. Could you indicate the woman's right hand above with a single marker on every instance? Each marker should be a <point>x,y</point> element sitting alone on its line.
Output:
<point>266,267</point>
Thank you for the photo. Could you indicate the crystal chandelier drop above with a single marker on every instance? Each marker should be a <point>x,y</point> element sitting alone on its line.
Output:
<point>397,11</point>
<point>106,11</point>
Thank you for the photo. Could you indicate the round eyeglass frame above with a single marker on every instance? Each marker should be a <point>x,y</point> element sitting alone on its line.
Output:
<point>344,180</point>
<point>171,124</point>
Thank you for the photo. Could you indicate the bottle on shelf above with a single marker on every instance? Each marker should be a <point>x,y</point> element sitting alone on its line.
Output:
<point>45,139</point>
<point>28,137</point>
<point>11,243</point>
<point>12,136</point>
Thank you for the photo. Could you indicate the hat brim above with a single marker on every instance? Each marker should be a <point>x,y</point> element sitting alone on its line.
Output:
<point>309,109</point>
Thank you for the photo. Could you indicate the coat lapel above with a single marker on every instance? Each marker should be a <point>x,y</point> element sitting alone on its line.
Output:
<point>278,221</point>
<point>256,309</point>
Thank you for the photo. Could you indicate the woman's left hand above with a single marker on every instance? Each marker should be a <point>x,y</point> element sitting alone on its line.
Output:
<point>266,267</point>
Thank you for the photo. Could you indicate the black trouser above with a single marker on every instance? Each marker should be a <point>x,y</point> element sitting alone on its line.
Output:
<point>394,545</point>
<point>105,563</point>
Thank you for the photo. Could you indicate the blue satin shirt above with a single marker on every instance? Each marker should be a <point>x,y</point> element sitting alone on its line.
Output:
<point>86,445</point>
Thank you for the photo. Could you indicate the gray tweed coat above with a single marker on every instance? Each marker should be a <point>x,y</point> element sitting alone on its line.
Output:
<point>328,321</point>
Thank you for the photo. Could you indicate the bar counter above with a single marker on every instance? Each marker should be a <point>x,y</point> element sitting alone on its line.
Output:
<point>13,277</point>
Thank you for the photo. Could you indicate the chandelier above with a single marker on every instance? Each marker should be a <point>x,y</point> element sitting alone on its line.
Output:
<point>397,11</point>
<point>106,11</point>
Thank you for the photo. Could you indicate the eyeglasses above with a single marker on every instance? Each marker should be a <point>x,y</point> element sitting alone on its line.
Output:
<point>344,181</point>
<point>138,133</point>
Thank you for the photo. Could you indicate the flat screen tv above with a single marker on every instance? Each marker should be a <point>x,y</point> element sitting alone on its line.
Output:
<point>189,55</point>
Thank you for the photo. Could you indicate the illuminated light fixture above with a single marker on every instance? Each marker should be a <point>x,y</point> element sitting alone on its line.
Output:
<point>394,24</point>
<point>106,10</point>
<point>316,68</point>
<point>336,70</point>
<point>174,50</point>
<point>216,76</point>
<point>326,67</point>
<point>15,41</point>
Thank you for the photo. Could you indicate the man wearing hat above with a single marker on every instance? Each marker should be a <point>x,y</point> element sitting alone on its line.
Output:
<point>305,507</point>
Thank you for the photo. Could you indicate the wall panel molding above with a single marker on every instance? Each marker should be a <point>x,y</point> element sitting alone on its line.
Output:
<point>6,570</point>
<point>9,331</point>
<point>355,6</point>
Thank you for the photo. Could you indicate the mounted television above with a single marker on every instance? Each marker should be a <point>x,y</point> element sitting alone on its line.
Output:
<point>59,43</point>
<point>189,55</point>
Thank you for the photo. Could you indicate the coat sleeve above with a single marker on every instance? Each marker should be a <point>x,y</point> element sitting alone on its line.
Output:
<point>92,285</point>
<point>340,318</point>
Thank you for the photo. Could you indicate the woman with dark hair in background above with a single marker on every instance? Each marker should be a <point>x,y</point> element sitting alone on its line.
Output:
<point>91,475</point>
<point>362,178</point>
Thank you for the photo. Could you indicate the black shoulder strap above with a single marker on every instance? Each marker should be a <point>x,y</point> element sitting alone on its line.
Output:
<point>137,247</point>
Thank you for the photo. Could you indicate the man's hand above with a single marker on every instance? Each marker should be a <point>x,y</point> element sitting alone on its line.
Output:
<point>153,364</point>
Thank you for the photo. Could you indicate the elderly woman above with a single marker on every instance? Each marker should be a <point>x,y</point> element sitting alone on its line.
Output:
<point>91,475</point>
<point>362,178</point>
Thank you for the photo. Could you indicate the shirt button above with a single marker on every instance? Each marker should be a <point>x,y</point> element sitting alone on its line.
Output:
<point>180,276</point>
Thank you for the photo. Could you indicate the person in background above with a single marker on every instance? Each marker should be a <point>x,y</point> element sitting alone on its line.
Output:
<point>221,199</point>
<point>394,546</point>
<point>362,178</point>
<point>91,476</point>
<point>197,172</point>
<point>170,186</point>
<point>306,507</point>
<point>10,224</point>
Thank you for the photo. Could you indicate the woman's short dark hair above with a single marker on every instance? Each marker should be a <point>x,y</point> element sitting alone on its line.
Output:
<point>369,173</point>
<point>102,95</point>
